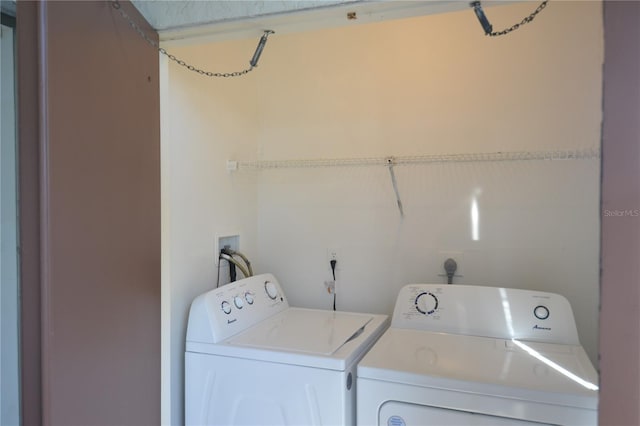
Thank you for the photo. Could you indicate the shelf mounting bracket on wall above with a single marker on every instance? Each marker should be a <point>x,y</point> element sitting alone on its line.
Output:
<point>390,163</point>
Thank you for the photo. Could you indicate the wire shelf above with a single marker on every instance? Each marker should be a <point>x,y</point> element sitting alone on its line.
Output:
<point>562,155</point>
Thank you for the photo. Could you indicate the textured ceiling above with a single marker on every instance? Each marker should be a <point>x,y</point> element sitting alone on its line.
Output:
<point>177,14</point>
<point>194,21</point>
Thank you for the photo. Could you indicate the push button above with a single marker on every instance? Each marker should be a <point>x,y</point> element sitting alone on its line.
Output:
<point>238,302</point>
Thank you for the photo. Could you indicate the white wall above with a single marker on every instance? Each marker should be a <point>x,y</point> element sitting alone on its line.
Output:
<point>427,86</point>
<point>204,122</point>
<point>418,86</point>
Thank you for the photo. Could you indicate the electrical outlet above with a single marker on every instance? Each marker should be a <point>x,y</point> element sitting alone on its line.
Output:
<point>332,254</point>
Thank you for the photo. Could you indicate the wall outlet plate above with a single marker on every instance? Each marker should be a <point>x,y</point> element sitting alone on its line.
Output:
<point>232,240</point>
<point>333,254</point>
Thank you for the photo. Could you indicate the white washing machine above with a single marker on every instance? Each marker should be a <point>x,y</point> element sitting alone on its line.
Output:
<point>469,355</point>
<point>253,360</point>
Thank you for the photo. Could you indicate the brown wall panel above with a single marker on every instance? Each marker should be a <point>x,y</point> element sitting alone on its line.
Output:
<point>620,293</point>
<point>29,206</point>
<point>99,209</point>
<point>104,218</point>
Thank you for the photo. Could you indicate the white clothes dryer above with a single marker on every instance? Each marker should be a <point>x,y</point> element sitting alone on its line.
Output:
<point>470,355</point>
<point>253,360</point>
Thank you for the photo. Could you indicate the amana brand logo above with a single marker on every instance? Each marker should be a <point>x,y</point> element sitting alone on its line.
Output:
<point>233,320</point>
<point>537,327</point>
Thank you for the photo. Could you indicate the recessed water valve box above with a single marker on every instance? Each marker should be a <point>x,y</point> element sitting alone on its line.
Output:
<point>231,240</point>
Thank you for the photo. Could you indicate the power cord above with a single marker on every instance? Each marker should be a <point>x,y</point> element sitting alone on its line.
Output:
<point>218,279</point>
<point>333,270</point>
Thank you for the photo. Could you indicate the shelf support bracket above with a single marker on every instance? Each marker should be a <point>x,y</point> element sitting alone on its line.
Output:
<point>390,163</point>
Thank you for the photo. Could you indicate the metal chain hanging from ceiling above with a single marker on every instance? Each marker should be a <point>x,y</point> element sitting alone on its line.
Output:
<point>477,7</point>
<point>488,28</point>
<point>252,64</point>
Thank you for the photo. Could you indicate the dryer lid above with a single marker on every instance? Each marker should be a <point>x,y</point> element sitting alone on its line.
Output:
<point>533,371</point>
<point>307,331</point>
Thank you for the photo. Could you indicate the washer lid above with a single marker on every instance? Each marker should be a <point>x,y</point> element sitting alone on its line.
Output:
<point>307,331</point>
<point>470,364</point>
<point>303,337</point>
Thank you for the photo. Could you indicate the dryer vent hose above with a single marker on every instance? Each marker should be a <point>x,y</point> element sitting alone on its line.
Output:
<point>450,267</point>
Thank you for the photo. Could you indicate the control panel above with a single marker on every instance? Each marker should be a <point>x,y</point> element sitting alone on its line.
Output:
<point>486,311</point>
<point>225,311</point>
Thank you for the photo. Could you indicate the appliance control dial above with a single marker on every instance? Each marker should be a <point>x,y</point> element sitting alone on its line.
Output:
<point>271,289</point>
<point>238,302</point>
<point>426,303</point>
<point>226,307</point>
<point>248,296</point>
<point>541,312</point>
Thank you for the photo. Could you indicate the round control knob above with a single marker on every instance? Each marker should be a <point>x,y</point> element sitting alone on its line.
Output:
<point>271,289</point>
<point>238,302</point>
<point>226,307</point>
<point>541,312</point>
<point>426,303</point>
<point>249,298</point>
